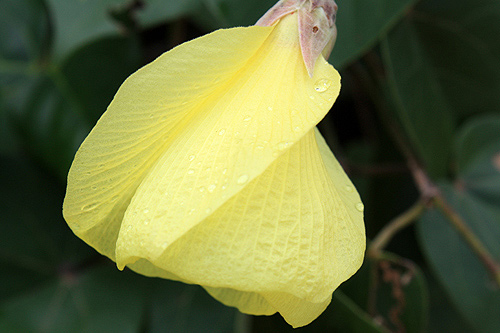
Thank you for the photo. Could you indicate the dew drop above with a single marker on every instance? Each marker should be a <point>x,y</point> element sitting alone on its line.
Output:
<point>296,128</point>
<point>322,85</point>
<point>94,187</point>
<point>360,207</point>
<point>222,131</point>
<point>208,210</point>
<point>192,211</point>
<point>191,157</point>
<point>208,170</point>
<point>201,189</point>
<point>224,171</point>
<point>349,188</point>
<point>247,118</point>
<point>270,108</point>
<point>283,145</point>
<point>146,222</point>
<point>211,188</point>
<point>260,147</point>
<point>190,172</point>
<point>89,207</point>
<point>242,179</point>
<point>129,227</point>
<point>145,211</point>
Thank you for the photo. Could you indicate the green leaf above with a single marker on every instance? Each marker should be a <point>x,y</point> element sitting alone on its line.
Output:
<point>25,30</point>
<point>460,42</point>
<point>34,239</point>
<point>158,11</point>
<point>99,300</point>
<point>215,14</point>
<point>418,98</point>
<point>361,24</point>
<point>79,22</point>
<point>178,307</point>
<point>478,151</point>
<point>50,125</point>
<point>459,270</point>
<point>344,315</point>
<point>95,71</point>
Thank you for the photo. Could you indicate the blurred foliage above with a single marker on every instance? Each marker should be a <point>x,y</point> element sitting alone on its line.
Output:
<point>421,81</point>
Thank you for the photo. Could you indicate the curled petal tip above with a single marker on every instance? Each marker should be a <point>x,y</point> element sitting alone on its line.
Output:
<point>317,29</point>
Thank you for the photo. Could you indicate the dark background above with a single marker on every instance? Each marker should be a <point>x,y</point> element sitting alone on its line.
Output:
<point>420,96</point>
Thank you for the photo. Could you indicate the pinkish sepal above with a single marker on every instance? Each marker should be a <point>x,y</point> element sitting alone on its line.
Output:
<point>317,30</point>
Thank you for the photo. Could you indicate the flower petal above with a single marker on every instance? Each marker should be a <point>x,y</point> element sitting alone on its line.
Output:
<point>284,242</point>
<point>230,138</point>
<point>150,106</point>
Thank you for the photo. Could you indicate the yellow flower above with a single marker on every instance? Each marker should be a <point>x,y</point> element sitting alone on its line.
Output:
<point>206,168</point>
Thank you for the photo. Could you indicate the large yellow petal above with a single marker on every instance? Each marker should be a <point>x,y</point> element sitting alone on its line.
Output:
<point>283,243</point>
<point>231,138</point>
<point>213,112</point>
<point>148,109</point>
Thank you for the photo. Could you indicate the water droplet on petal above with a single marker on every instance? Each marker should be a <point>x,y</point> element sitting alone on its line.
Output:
<point>145,211</point>
<point>211,188</point>
<point>242,179</point>
<point>360,207</point>
<point>247,118</point>
<point>89,207</point>
<point>191,157</point>
<point>349,188</point>
<point>190,172</point>
<point>222,131</point>
<point>296,128</point>
<point>208,210</point>
<point>146,222</point>
<point>270,108</point>
<point>322,85</point>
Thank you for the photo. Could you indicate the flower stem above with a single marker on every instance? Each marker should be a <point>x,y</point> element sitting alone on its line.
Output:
<point>393,227</point>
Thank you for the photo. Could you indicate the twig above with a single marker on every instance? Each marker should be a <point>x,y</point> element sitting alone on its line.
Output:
<point>393,227</point>
<point>429,191</point>
<point>475,244</point>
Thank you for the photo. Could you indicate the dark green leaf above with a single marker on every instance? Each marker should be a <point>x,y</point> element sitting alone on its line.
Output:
<point>458,268</point>
<point>461,43</point>
<point>25,31</point>
<point>158,11</point>
<point>345,315</point>
<point>100,300</point>
<point>79,22</point>
<point>478,149</point>
<point>95,72</point>
<point>361,24</point>
<point>50,125</point>
<point>180,308</point>
<point>34,239</point>
<point>418,98</point>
